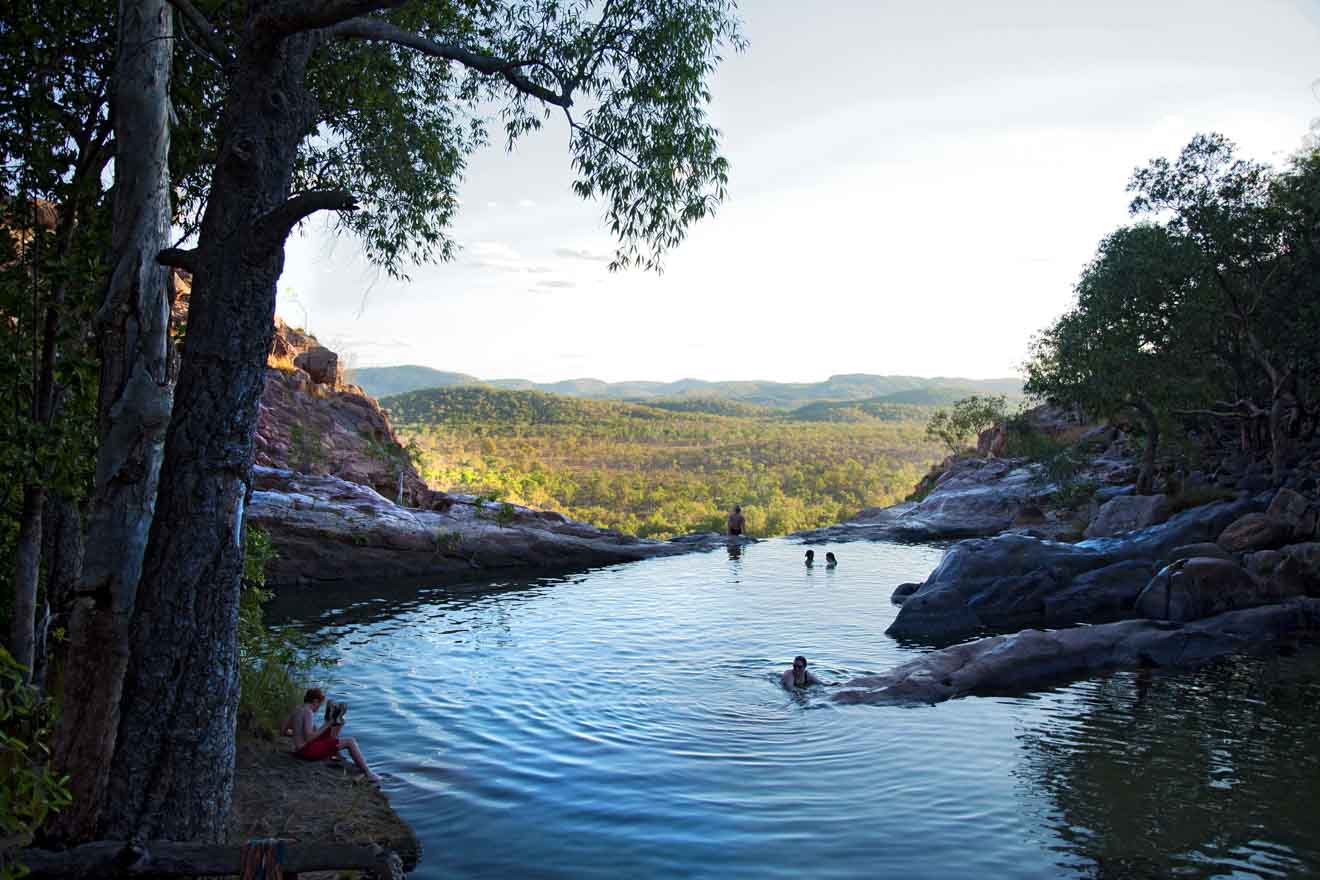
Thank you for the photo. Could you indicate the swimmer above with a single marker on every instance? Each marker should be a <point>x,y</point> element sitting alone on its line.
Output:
<point>830,561</point>
<point>798,677</point>
<point>811,558</point>
<point>737,522</point>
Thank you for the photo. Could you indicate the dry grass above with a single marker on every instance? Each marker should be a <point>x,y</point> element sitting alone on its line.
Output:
<point>282,362</point>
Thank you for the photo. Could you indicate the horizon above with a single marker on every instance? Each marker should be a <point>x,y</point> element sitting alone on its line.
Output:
<point>935,378</point>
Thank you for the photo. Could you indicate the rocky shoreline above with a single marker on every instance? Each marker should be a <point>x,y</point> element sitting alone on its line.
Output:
<point>1219,563</point>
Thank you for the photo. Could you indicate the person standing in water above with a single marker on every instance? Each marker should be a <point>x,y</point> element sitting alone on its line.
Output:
<point>811,558</point>
<point>736,521</point>
<point>830,561</point>
<point>798,677</point>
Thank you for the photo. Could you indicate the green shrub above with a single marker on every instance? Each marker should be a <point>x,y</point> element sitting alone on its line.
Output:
<point>274,666</point>
<point>968,418</point>
<point>29,791</point>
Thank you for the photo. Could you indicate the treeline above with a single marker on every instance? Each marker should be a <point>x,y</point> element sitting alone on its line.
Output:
<point>1203,315</point>
<point>654,473</point>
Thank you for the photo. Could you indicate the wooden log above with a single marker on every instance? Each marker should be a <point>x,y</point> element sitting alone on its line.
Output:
<point>113,858</point>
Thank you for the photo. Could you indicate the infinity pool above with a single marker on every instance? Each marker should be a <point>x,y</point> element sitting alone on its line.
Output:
<point>628,722</point>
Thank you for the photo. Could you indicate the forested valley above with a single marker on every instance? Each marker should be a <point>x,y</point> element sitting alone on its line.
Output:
<point>667,468</point>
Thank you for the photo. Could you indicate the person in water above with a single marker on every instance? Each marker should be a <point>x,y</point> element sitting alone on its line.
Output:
<point>811,558</point>
<point>798,677</point>
<point>830,561</point>
<point>312,743</point>
<point>736,521</point>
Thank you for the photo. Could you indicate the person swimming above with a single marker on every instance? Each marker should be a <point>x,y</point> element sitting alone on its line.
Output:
<point>798,677</point>
<point>811,558</point>
<point>830,561</point>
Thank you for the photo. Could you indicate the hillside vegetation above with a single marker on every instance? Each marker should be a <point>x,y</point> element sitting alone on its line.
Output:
<point>661,470</point>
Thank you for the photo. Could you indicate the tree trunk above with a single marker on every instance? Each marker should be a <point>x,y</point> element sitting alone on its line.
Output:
<point>61,554</point>
<point>27,567</point>
<point>1146,476</point>
<point>134,408</point>
<point>172,775</point>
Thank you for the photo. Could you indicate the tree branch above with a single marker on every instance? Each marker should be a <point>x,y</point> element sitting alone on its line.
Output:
<point>295,16</point>
<point>178,258</point>
<point>273,228</point>
<point>382,31</point>
<point>205,32</point>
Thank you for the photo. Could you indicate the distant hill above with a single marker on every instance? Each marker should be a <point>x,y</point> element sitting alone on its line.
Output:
<point>859,387</point>
<point>485,405</point>
<point>384,381</point>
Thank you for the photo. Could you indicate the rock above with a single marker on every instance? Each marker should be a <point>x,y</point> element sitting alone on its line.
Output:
<point>1127,514</point>
<point>990,442</point>
<point>1297,566</point>
<point>1029,514</point>
<point>1254,483</point>
<point>1204,548</point>
<point>328,529</point>
<point>1009,579</point>
<point>1255,531</point>
<point>902,591</point>
<point>1191,589</point>
<point>321,364</point>
<point>1106,593</point>
<point>1107,493</point>
<point>1288,506</point>
<point>1015,663</point>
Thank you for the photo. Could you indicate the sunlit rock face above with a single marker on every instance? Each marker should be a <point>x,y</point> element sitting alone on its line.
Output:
<point>313,423</point>
<point>326,529</point>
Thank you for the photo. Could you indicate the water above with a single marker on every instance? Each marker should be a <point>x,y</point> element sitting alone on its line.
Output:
<point>628,722</point>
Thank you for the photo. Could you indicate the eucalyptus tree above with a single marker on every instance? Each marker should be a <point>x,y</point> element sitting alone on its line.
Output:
<point>1133,341</point>
<point>55,143</point>
<point>1228,207</point>
<point>367,108</point>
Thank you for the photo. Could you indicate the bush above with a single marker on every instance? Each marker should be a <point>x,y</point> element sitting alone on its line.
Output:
<point>29,791</point>
<point>968,418</point>
<point>273,664</point>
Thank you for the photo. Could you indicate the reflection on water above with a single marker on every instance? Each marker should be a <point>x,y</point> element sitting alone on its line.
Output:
<point>628,722</point>
<point>1197,774</point>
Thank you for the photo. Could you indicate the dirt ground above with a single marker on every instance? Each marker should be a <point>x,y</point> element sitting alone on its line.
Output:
<point>277,795</point>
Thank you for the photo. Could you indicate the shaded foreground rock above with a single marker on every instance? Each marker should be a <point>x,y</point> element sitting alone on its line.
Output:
<point>327,529</point>
<point>1028,659</point>
<point>1017,580</point>
<point>276,795</point>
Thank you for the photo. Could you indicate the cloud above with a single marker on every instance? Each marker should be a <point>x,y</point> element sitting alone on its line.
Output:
<point>526,203</point>
<point>497,255</point>
<point>556,283</point>
<point>492,205</point>
<point>581,254</point>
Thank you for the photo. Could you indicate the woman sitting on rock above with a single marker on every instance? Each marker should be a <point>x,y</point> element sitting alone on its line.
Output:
<point>312,743</point>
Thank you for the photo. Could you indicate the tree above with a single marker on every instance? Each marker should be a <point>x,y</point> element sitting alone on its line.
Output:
<point>969,417</point>
<point>1228,208</point>
<point>55,142</point>
<point>1134,338</point>
<point>134,409</point>
<point>365,107</point>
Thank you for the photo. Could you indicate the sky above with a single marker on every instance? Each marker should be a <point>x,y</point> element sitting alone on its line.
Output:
<point>914,188</point>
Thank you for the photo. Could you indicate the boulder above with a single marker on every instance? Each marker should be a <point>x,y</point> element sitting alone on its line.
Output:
<point>1255,531</point>
<point>1009,580</point>
<point>902,591</point>
<point>321,364</point>
<point>1288,506</point>
<point>1297,565</point>
<point>1015,663</point>
<point>1106,593</point>
<point>1128,513</point>
<point>1191,589</point>
<point>1203,548</point>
